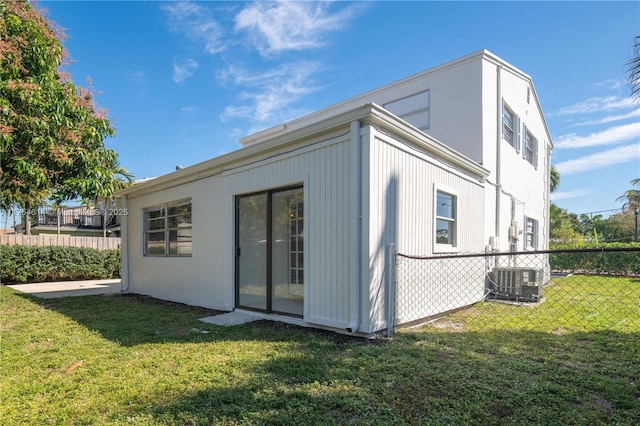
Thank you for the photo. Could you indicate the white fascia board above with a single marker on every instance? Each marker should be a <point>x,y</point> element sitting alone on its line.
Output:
<point>247,154</point>
<point>382,118</point>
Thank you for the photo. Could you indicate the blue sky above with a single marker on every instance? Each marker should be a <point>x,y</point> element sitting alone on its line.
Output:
<point>184,80</point>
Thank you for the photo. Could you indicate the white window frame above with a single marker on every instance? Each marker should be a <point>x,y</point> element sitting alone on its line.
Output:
<point>451,247</point>
<point>514,141</point>
<point>531,233</point>
<point>530,148</point>
<point>164,209</point>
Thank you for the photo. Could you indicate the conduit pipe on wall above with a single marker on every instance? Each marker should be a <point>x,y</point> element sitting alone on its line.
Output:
<point>356,232</point>
<point>498,153</point>
<point>124,249</point>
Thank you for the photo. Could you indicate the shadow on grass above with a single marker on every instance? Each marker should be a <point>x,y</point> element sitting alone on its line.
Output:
<point>130,320</point>
<point>282,374</point>
<point>432,377</point>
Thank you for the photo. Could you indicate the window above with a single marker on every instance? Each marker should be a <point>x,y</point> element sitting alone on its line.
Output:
<point>510,127</point>
<point>530,149</point>
<point>531,233</point>
<point>445,227</point>
<point>167,229</point>
<point>413,109</point>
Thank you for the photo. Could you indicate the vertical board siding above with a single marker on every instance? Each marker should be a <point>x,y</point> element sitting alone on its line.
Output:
<point>327,193</point>
<point>402,212</point>
<point>98,243</point>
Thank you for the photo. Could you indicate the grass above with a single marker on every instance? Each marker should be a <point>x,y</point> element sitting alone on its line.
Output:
<point>576,303</point>
<point>135,360</point>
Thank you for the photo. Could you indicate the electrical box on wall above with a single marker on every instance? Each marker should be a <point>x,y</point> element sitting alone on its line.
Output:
<point>514,231</point>
<point>493,243</point>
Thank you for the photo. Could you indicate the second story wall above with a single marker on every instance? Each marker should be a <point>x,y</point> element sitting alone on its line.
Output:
<point>445,102</point>
<point>517,150</point>
<point>456,104</point>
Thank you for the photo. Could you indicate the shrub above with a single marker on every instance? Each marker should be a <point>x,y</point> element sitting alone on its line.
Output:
<point>22,264</point>
<point>616,262</point>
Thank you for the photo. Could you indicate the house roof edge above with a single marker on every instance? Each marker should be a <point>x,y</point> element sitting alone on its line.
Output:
<point>368,113</point>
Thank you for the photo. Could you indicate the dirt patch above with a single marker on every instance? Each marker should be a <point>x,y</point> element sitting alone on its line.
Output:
<point>598,402</point>
<point>447,324</point>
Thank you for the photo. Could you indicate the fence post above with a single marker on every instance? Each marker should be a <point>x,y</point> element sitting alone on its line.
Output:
<point>391,289</point>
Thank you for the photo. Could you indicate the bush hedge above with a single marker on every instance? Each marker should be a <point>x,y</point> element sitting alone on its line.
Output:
<point>612,262</point>
<point>24,264</point>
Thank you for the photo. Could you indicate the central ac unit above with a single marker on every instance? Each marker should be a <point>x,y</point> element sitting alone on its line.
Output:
<point>520,284</point>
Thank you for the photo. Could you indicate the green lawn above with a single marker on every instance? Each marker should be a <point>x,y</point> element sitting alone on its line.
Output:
<point>133,360</point>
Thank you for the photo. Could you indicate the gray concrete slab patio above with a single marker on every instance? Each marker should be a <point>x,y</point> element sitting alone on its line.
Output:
<point>230,318</point>
<point>69,288</point>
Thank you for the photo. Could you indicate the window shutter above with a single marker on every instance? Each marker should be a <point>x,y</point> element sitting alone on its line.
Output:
<point>535,235</point>
<point>516,133</point>
<point>502,121</point>
<point>534,142</point>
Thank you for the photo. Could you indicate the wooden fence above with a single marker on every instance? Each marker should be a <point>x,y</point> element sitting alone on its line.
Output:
<point>98,243</point>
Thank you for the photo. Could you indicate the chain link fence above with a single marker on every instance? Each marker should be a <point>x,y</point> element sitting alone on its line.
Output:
<point>548,291</point>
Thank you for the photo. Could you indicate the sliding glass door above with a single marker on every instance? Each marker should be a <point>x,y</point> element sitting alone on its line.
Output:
<point>270,251</point>
<point>251,251</point>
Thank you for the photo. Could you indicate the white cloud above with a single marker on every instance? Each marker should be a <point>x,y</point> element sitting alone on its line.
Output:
<point>184,70</point>
<point>563,195</point>
<point>269,96</point>
<point>610,136</point>
<point>597,104</point>
<point>240,76</point>
<point>189,109</point>
<point>609,84</point>
<point>611,118</point>
<point>197,24</point>
<point>137,76</point>
<point>287,25</point>
<point>621,154</point>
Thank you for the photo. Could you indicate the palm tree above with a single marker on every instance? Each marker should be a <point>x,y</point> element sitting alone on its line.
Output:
<point>631,197</point>
<point>58,207</point>
<point>554,178</point>
<point>633,68</point>
<point>114,178</point>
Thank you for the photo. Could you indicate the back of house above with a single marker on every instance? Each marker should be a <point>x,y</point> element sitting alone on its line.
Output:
<point>297,224</point>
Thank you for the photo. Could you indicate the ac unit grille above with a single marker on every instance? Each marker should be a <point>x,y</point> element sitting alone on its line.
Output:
<point>520,284</point>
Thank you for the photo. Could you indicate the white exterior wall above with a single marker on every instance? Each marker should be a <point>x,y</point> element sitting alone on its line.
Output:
<point>324,171</point>
<point>207,277</point>
<point>456,102</point>
<point>203,279</point>
<point>524,189</point>
<point>401,200</point>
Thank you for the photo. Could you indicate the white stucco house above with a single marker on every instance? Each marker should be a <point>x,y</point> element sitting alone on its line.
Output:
<point>296,224</point>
